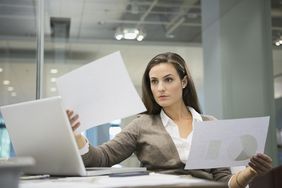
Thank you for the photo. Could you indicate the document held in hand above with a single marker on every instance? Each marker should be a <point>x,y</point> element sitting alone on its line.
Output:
<point>100,92</point>
<point>226,143</point>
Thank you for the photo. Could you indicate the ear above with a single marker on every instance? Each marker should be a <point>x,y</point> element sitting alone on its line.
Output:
<point>184,82</point>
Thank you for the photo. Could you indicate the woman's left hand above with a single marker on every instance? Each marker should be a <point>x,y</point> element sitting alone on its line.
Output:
<point>261,163</point>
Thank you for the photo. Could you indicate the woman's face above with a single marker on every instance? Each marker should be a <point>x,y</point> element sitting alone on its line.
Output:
<point>166,85</point>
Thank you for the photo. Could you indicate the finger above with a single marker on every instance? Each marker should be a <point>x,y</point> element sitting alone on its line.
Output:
<point>264,157</point>
<point>75,126</point>
<point>259,165</point>
<point>258,171</point>
<point>257,168</point>
<point>69,113</point>
<point>74,118</point>
<point>263,160</point>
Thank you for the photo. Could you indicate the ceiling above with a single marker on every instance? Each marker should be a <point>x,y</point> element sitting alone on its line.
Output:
<point>163,20</point>
<point>176,21</point>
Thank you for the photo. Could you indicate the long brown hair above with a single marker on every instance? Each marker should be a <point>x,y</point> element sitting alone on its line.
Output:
<point>189,94</point>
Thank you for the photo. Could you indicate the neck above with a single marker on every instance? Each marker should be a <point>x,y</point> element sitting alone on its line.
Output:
<point>178,112</point>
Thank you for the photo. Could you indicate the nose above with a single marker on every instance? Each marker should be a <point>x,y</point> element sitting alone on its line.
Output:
<point>161,86</point>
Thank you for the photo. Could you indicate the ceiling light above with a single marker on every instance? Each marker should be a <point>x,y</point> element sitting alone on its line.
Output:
<point>13,94</point>
<point>129,34</point>
<point>54,71</point>
<point>10,88</point>
<point>278,41</point>
<point>140,37</point>
<point>6,82</point>
<point>53,89</point>
<point>1,70</point>
<point>53,79</point>
<point>170,36</point>
<point>119,34</point>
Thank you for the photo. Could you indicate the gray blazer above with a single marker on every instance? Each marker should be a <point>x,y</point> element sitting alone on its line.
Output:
<point>148,139</point>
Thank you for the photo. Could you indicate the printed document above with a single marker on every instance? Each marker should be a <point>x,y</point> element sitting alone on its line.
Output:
<point>226,143</point>
<point>100,92</point>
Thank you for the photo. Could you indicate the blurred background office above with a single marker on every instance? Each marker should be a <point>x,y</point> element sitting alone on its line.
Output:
<point>233,48</point>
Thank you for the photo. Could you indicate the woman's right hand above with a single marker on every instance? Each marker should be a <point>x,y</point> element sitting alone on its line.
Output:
<point>75,123</point>
<point>74,120</point>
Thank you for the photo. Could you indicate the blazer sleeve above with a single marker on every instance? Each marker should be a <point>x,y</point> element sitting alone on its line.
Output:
<point>221,174</point>
<point>115,150</point>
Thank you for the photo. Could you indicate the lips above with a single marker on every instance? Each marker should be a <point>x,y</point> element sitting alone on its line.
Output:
<point>162,97</point>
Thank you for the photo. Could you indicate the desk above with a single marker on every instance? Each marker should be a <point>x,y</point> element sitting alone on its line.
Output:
<point>152,180</point>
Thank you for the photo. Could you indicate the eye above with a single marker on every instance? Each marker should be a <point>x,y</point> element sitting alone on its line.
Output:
<point>154,82</point>
<point>168,79</point>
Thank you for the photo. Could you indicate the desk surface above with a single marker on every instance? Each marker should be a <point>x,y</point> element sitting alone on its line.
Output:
<point>152,180</point>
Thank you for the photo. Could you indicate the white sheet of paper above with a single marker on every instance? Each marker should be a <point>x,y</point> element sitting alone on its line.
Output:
<point>100,92</point>
<point>226,143</point>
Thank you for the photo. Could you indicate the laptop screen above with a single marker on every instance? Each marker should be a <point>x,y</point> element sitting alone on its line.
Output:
<point>40,129</point>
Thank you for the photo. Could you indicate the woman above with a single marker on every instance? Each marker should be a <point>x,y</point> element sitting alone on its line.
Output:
<point>161,137</point>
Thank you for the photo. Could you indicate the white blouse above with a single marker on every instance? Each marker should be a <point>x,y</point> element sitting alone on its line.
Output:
<point>183,145</point>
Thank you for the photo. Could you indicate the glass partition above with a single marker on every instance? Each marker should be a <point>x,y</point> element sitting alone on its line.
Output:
<point>17,58</point>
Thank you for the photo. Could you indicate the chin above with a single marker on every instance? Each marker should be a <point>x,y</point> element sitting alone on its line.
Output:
<point>164,104</point>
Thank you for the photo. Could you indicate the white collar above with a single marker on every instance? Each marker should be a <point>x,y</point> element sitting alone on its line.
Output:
<point>195,116</point>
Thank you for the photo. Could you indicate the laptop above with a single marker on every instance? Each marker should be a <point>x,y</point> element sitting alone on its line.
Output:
<point>41,129</point>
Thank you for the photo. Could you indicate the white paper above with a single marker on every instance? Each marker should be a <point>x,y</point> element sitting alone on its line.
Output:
<point>226,143</point>
<point>100,92</point>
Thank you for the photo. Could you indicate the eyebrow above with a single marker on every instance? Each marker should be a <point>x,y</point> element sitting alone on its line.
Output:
<point>168,75</point>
